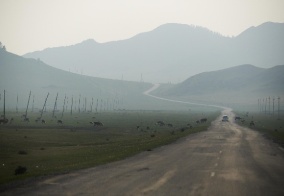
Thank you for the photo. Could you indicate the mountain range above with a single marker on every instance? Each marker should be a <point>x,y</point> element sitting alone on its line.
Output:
<point>19,76</point>
<point>240,85</point>
<point>170,53</point>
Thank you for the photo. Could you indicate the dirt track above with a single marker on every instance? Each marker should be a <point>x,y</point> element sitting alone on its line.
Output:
<point>224,160</point>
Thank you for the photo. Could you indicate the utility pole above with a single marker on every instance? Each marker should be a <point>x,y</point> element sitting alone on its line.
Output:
<point>17,103</point>
<point>265,105</point>
<point>85,104</point>
<point>273,105</point>
<point>4,106</point>
<point>33,103</point>
<point>79,103</point>
<point>92,104</point>
<point>278,108</point>
<point>44,105</point>
<point>63,107</point>
<point>66,107</point>
<point>71,105</point>
<point>269,105</point>
<point>55,104</point>
<point>28,105</point>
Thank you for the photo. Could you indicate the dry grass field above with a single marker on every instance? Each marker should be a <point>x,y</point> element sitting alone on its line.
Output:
<point>52,148</point>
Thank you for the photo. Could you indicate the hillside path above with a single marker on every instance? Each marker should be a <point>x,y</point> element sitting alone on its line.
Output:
<point>227,159</point>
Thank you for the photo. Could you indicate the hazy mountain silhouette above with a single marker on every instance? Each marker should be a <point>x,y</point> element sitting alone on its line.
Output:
<point>19,75</point>
<point>239,84</point>
<point>170,53</point>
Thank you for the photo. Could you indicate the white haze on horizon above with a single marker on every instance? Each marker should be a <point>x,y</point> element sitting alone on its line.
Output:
<point>30,25</point>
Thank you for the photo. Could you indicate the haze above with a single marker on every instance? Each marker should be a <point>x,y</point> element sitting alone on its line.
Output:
<point>31,25</point>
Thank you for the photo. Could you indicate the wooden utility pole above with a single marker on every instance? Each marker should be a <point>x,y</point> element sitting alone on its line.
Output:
<point>44,105</point>
<point>263,102</point>
<point>92,104</point>
<point>4,106</point>
<point>55,104</point>
<point>63,107</point>
<point>85,104</point>
<point>17,103</point>
<point>72,105</point>
<point>265,105</point>
<point>33,103</point>
<point>107,104</point>
<point>278,108</point>
<point>97,105</point>
<point>67,104</point>
<point>259,105</point>
<point>26,114</point>
<point>273,105</point>
<point>79,103</point>
<point>269,105</point>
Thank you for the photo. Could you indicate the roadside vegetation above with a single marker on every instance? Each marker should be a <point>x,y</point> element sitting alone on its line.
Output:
<point>32,149</point>
<point>271,125</point>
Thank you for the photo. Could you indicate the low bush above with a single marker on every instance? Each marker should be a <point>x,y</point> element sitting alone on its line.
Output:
<point>20,170</point>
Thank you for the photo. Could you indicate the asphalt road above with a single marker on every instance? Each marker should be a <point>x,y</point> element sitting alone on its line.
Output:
<point>224,160</point>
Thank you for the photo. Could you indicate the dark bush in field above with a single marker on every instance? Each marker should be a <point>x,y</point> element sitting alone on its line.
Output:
<point>20,170</point>
<point>182,129</point>
<point>22,152</point>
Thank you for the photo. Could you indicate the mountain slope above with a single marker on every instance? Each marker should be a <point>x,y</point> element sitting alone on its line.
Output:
<point>170,53</point>
<point>19,75</point>
<point>240,84</point>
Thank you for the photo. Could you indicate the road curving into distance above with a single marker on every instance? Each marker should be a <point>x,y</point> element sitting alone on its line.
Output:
<point>155,86</point>
<point>227,159</point>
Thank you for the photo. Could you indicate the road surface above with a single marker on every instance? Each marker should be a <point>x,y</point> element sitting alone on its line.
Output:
<point>224,160</point>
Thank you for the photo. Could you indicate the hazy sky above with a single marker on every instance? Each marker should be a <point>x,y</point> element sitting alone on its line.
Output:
<point>29,25</point>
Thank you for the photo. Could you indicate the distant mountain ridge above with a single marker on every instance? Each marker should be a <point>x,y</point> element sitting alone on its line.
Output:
<point>239,84</point>
<point>170,53</point>
<point>19,76</point>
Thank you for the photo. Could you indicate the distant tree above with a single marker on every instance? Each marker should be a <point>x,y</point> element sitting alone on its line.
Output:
<point>4,48</point>
<point>0,44</point>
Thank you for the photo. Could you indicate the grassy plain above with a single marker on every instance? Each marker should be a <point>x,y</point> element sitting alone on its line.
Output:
<point>51,148</point>
<point>271,125</point>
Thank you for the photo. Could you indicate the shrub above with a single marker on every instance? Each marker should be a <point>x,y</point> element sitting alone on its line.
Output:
<point>20,170</point>
<point>22,152</point>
